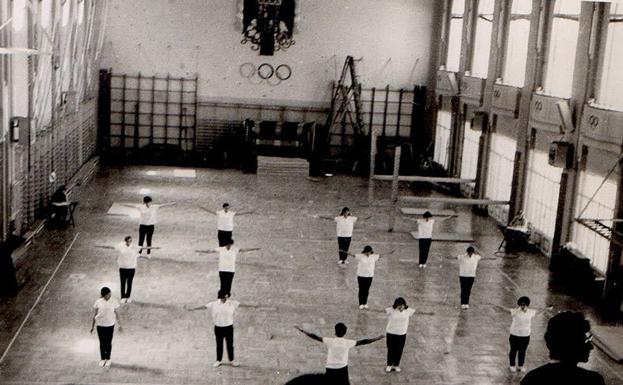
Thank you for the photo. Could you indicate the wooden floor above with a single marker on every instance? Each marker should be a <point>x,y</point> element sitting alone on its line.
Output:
<point>293,280</point>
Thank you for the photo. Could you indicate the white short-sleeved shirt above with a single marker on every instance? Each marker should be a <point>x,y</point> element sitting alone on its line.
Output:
<point>365,264</point>
<point>223,313</point>
<point>522,322</point>
<point>127,255</point>
<point>344,226</point>
<point>425,228</point>
<point>398,321</point>
<point>338,347</point>
<point>227,258</point>
<point>148,214</point>
<point>468,265</point>
<point>105,312</point>
<point>225,220</point>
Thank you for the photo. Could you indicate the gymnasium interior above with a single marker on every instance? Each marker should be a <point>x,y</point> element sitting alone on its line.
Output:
<point>504,118</point>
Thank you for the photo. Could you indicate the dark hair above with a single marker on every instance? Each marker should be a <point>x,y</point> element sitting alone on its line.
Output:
<point>231,242</point>
<point>400,301</point>
<point>105,291</point>
<point>147,199</point>
<point>470,249</point>
<point>222,294</point>
<point>308,379</point>
<point>427,214</point>
<point>566,337</point>
<point>340,329</point>
<point>523,301</point>
<point>344,210</point>
<point>225,205</point>
<point>367,249</point>
<point>127,237</point>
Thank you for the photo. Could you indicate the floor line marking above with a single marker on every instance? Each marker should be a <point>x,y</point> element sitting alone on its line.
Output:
<point>6,351</point>
<point>507,277</point>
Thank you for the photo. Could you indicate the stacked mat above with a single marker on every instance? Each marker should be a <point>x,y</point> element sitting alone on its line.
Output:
<point>290,167</point>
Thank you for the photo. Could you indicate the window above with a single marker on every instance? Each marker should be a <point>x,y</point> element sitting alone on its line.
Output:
<point>589,243</point>
<point>469,160</point>
<point>517,44</point>
<point>612,79</point>
<point>562,45</point>
<point>442,137</point>
<point>482,40</point>
<point>500,173</point>
<point>541,199</point>
<point>454,36</point>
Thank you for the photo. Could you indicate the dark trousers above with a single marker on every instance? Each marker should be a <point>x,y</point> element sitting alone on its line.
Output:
<point>145,231</point>
<point>519,345</point>
<point>466,289</point>
<point>364,289</point>
<point>395,346</point>
<point>127,276</point>
<point>226,278</point>
<point>424,244</point>
<point>337,376</point>
<point>104,333</point>
<point>224,238</point>
<point>343,243</point>
<point>227,333</point>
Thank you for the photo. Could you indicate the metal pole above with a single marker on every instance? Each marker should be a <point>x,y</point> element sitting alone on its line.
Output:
<point>394,199</point>
<point>373,133</point>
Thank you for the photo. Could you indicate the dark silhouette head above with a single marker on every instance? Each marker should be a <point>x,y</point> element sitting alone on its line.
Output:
<point>367,249</point>
<point>470,250</point>
<point>345,211</point>
<point>105,291</point>
<point>340,329</point>
<point>147,199</point>
<point>400,301</point>
<point>427,214</point>
<point>523,301</point>
<point>568,337</point>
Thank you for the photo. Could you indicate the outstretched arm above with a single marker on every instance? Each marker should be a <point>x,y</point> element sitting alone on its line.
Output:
<point>130,205</point>
<point>167,204</point>
<point>539,311</point>
<point>349,254</point>
<point>500,307</point>
<point>308,334</point>
<point>197,308</point>
<point>325,217</point>
<point>249,249</point>
<point>245,212</point>
<point>209,251</point>
<point>208,210</point>
<point>105,247</point>
<point>444,218</point>
<point>367,341</point>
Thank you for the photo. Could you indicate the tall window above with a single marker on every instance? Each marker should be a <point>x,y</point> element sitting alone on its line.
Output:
<point>500,173</point>
<point>454,36</point>
<point>612,78</point>
<point>561,55</point>
<point>587,241</point>
<point>469,160</point>
<point>442,137</point>
<point>517,45</point>
<point>542,192</point>
<point>482,41</point>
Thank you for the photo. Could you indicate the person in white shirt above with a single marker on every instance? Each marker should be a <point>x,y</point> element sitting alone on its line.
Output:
<point>225,222</point>
<point>147,220</point>
<point>222,312</point>
<point>227,263</point>
<point>397,325</point>
<point>468,263</point>
<point>521,327</point>
<point>425,236</point>
<point>337,355</point>
<point>344,225</point>
<point>127,255</point>
<point>366,261</point>
<point>105,317</point>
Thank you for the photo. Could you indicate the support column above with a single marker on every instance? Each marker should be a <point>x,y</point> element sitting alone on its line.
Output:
<point>393,206</point>
<point>613,290</point>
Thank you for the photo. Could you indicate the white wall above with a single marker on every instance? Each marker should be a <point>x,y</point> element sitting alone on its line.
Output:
<point>183,37</point>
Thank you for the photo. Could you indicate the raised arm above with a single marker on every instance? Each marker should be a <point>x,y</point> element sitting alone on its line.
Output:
<point>207,210</point>
<point>367,341</point>
<point>308,334</point>
<point>249,249</point>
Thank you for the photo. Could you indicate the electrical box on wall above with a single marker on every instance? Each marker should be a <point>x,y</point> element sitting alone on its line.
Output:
<point>20,130</point>
<point>561,154</point>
